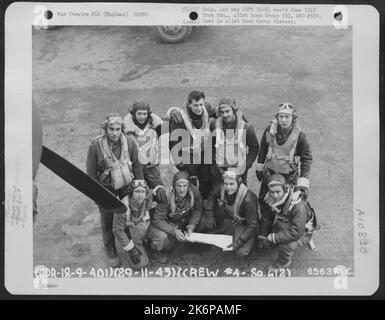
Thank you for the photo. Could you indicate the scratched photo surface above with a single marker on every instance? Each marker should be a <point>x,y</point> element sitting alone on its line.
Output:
<point>82,73</point>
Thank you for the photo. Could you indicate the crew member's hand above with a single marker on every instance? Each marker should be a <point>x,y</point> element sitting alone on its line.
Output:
<point>179,235</point>
<point>161,195</point>
<point>135,255</point>
<point>189,230</point>
<point>236,244</point>
<point>259,175</point>
<point>237,221</point>
<point>263,244</point>
<point>303,190</point>
<point>176,117</point>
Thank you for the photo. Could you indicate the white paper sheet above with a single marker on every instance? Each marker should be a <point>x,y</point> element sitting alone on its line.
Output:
<point>219,240</point>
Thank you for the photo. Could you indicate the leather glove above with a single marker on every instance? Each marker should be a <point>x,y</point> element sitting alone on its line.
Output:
<point>237,221</point>
<point>189,230</point>
<point>263,244</point>
<point>176,117</point>
<point>236,244</point>
<point>303,190</point>
<point>179,235</point>
<point>135,255</point>
<point>259,175</point>
<point>234,223</point>
<point>161,195</point>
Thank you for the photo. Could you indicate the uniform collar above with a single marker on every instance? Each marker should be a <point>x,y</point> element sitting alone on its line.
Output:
<point>193,115</point>
<point>285,132</point>
<point>278,206</point>
<point>139,125</point>
<point>231,198</point>
<point>232,124</point>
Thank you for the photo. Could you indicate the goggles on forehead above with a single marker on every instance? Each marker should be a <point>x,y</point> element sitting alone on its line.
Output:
<point>275,183</point>
<point>114,120</point>
<point>286,104</point>
<point>139,183</point>
<point>229,175</point>
<point>286,108</point>
<point>182,181</point>
<point>222,106</point>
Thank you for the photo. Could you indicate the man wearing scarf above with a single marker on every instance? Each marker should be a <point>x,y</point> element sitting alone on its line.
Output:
<point>234,209</point>
<point>194,121</point>
<point>112,160</point>
<point>130,229</point>
<point>236,144</point>
<point>145,128</point>
<point>284,150</point>
<point>177,218</point>
<point>287,224</point>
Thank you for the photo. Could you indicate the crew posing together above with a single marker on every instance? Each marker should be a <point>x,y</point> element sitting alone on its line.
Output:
<point>213,148</point>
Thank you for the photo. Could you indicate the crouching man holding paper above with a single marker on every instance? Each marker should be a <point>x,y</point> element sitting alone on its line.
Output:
<point>233,209</point>
<point>176,219</point>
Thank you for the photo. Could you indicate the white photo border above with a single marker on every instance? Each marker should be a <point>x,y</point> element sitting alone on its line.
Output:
<point>20,17</point>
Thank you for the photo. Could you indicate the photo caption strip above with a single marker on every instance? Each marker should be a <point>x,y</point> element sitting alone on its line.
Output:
<point>213,14</point>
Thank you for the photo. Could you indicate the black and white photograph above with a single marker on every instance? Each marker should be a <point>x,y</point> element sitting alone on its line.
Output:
<point>194,151</point>
<point>289,89</point>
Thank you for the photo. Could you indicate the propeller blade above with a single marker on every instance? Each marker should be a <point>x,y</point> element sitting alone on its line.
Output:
<point>81,181</point>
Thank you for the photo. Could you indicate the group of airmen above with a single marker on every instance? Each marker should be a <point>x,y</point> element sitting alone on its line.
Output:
<point>212,147</point>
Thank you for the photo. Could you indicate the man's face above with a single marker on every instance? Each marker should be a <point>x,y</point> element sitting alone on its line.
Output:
<point>113,132</point>
<point>227,113</point>
<point>139,194</point>
<point>231,186</point>
<point>181,189</point>
<point>197,106</point>
<point>285,120</point>
<point>141,116</point>
<point>276,192</point>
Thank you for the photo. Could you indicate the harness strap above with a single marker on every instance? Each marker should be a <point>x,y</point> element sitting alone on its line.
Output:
<point>171,198</point>
<point>242,191</point>
<point>222,140</point>
<point>109,155</point>
<point>271,139</point>
<point>204,132</point>
<point>120,170</point>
